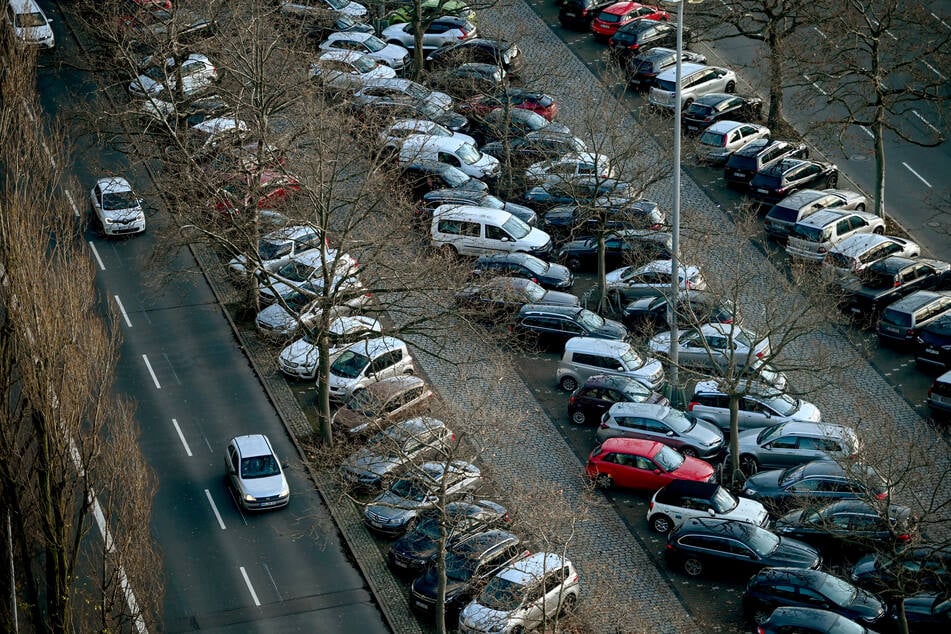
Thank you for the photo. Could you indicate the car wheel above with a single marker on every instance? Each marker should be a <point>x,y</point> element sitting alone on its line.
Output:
<point>578,417</point>
<point>693,566</point>
<point>690,452</point>
<point>760,614</point>
<point>518,629</point>
<point>879,230</point>
<point>604,481</point>
<point>573,263</point>
<point>748,465</point>
<point>687,103</point>
<point>568,605</point>
<point>661,524</point>
<point>860,207</point>
<point>730,87</point>
<point>449,252</point>
<point>569,383</point>
<point>834,180</point>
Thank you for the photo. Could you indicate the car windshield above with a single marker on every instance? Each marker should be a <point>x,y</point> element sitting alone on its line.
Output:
<point>723,501</point>
<point>364,64</point>
<point>417,91</point>
<point>631,359</point>
<point>491,202</point>
<point>678,422</point>
<point>536,265</point>
<point>118,200</point>
<point>349,364</point>
<point>259,467</point>
<point>837,590</point>
<point>762,542</point>
<point>516,228</point>
<point>668,459</point>
<point>635,392</point>
<point>429,528</point>
<point>271,250</point>
<point>338,4</point>
<point>410,489</point>
<point>502,595</point>
<point>534,293</point>
<point>783,404</point>
<point>589,319</point>
<point>29,20</point>
<point>468,154</point>
<point>790,475</point>
<point>374,44</point>
<point>665,85</point>
<point>296,271</point>
<point>715,139</point>
<point>365,402</point>
<point>460,567</point>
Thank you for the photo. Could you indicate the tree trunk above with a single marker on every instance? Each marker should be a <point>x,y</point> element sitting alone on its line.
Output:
<point>323,384</point>
<point>602,272</point>
<point>774,43</point>
<point>735,474</point>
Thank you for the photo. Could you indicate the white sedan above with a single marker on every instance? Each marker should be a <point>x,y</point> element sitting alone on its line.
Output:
<point>394,56</point>
<point>117,207</point>
<point>300,358</point>
<point>197,73</point>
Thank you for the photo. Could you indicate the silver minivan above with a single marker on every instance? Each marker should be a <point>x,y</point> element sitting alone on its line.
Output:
<point>471,230</point>
<point>586,356</point>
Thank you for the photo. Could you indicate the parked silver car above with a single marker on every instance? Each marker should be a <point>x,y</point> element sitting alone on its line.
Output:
<point>793,443</point>
<point>277,248</point>
<point>714,346</point>
<point>392,450</point>
<point>664,424</point>
<point>760,405</point>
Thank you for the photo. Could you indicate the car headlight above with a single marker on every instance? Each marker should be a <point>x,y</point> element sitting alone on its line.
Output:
<point>748,492</point>
<point>284,492</point>
<point>107,220</point>
<point>249,498</point>
<point>497,627</point>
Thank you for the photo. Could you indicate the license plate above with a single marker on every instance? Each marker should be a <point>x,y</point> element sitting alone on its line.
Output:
<point>693,127</point>
<point>740,174</point>
<point>763,191</point>
<point>422,604</point>
<point>855,310</point>
<point>931,351</point>
<point>401,564</point>
<point>376,524</point>
<point>569,14</point>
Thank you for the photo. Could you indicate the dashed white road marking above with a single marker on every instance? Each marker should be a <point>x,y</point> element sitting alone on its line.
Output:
<point>95,252</point>
<point>925,121</point>
<point>254,595</point>
<point>125,315</point>
<point>148,365</point>
<point>920,177</point>
<point>933,69</point>
<point>221,522</point>
<point>941,21</point>
<point>72,203</point>
<point>181,437</point>
<point>867,131</point>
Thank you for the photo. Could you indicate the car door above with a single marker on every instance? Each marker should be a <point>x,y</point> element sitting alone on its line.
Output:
<point>96,199</point>
<point>754,414</point>
<point>781,453</point>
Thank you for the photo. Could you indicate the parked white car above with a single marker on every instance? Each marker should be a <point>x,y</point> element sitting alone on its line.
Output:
<point>857,252</point>
<point>306,8</point>
<point>197,73</point>
<point>723,138</point>
<point>300,358</point>
<point>347,70</point>
<point>682,499</point>
<point>303,269</point>
<point>570,166</point>
<point>366,362</point>
<point>394,56</point>
<point>394,135</point>
<point>302,308</point>
<point>452,150</point>
<point>29,24</point>
<point>117,207</point>
<point>814,236</point>
<point>443,31</point>
<point>277,248</point>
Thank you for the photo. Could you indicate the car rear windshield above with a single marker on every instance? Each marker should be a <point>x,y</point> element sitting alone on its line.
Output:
<point>876,279</point>
<point>712,138</point>
<point>784,213</point>
<point>609,17</point>
<point>699,110</point>
<point>767,180</point>
<point>812,234</point>
<point>897,317</point>
<point>742,162</point>
<point>840,260</point>
<point>665,85</point>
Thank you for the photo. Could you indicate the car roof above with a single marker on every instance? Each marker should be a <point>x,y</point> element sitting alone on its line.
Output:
<point>290,232</point>
<point>686,69</point>
<point>341,56</point>
<point>412,426</point>
<point>781,575</point>
<point>712,98</point>
<point>860,243</point>
<point>349,35</point>
<point>647,410</point>
<point>895,263</point>
<point>569,311</point>
<point>416,142</point>
<point>378,345</point>
<point>823,218</point>
<point>666,266</point>
<point>916,300</point>
<point>818,430</point>
<point>252,445</point>
<point>631,445</point>
<point>689,488</point>
<point>725,125</point>
<point>801,198</point>
<point>394,384</point>
<point>530,570</point>
<point>471,212</point>
<point>113,185</point>
<point>477,544</point>
<point>753,388</point>
<point>717,526</point>
<point>595,344</point>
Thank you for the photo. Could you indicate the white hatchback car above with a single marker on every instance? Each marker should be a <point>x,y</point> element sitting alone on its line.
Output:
<point>366,362</point>
<point>443,31</point>
<point>301,358</point>
<point>302,269</point>
<point>857,252</point>
<point>683,499</point>
<point>29,24</point>
<point>396,57</point>
<point>118,209</point>
<point>723,138</point>
<point>197,73</point>
<point>305,8</point>
<point>255,474</point>
<point>277,248</point>
<point>394,135</point>
<point>347,70</point>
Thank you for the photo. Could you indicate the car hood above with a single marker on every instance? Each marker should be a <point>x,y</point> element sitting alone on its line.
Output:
<point>865,568</point>
<point>764,482</point>
<point>428,584</point>
<point>867,607</point>
<point>792,553</point>
<point>145,84</point>
<point>704,433</point>
<point>614,277</point>
<point>482,618</point>
<point>522,211</point>
<point>694,469</point>
<point>366,462</point>
<point>301,352</point>
<point>920,605</point>
<point>611,330</point>
<point>440,99</point>
<point>748,510</point>
<point>807,411</point>
<point>265,487</point>
<point>276,318</point>
<point>414,546</point>
<point>380,72</point>
<point>660,342</point>
<point>350,420</point>
<point>391,52</point>
<point>557,298</point>
<point>452,120</point>
<point>393,509</point>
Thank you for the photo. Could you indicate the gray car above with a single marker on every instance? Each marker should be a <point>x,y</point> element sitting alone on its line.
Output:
<point>394,510</point>
<point>793,443</point>
<point>760,405</point>
<point>714,346</point>
<point>664,424</point>
<point>393,449</point>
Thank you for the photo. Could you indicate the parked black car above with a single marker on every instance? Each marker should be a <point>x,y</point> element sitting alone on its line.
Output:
<point>499,297</point>
<point>909,570</point>
<point>720,545</point>
<point>743,164</point>
<point>816,481</point>
<point>551,326</point>
<point>426,176</point>
<point>578,14</point>
<point>432,200</point>
<point>548,275</point>
<point>470,563</point>
<point>928,613</point>
<point>622,248</point>
<point>933,345</point>
<point>888,280</point>
<point>778,587</point>
<point>706,110</point>
<point>587,190</point>
<point>481,50</point>
<point>413,551</point>
<point>781,179</point>
<point>901,321</point>
<point>644,67</point>
<point>850,526</point>
<point>789,620</point>
<point>511,123</point>
<point>534,147</point>
<point>638,35</point>
<point>568,221</point>
<point>590,401</point>
<point>649,315</point>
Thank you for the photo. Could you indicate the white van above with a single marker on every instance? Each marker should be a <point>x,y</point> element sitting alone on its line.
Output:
<point>30,25</point>
<point>455,150</point>
<point>471,230</point>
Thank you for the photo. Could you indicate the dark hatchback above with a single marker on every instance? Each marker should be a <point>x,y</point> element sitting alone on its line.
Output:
<point>850,526</point>
<point>789,620</point>
<point>547,275</point>
<point>888,280</point>
<point>585,190</point>
<point>566,221</point>
<point>779,587</point>
<point>426,176</point>
<point>743,164</point>
<point>914,569</point>
<point>706,110</point>
<point>622,248</point>
<point>733,547</point>
<point>928,613</point>
<point>901,321</point>
<point>812,482</point>
<point>533,147</point>
<point>480,50</point>
<point>789,175</point>
<point>552,326</point>
<point>435,198</point>
<point>933,344</point>
<point>632,38</point>
<point>413,551</point>
<point>649,315</point>
<point>590,401</point>
<point>643,68</point>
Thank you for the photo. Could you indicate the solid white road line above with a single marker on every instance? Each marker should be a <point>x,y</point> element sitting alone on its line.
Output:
<point>941,21</point>
<point>148,365</point>
<point>254,595</point>
<point>181,437</point>
<point>95,252</point>
<point>72,203</point>
<point>920,177</point>
<point>214,509</point>
<point>123,580</point>
<point>273,583</point>
<point>925,121</point>
<point>125,315</point>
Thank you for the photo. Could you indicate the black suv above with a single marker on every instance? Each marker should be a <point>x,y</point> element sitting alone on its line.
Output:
<point>887,281</point>
<point>757,156</point>
<point>850,526</point>
<point>587,403</point>
<point>902,320</point>
<point>413,551</point>
<point>643,68</point>
<point>426,176</point>
<point>733,547</point>
<point>470,563</point>
<point>934,346</point>
<point>783,178</point>
<point>552,326</point>
<point>552,276</point>
<point>578,14</point>
<point>632,38</point>
<point>706,110</point>
<point>648,315</point>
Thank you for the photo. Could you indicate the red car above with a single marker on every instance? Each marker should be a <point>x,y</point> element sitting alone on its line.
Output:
<point>537,102</point>
<point>274,189</point>
<point>621,13</point>
<point>633,463</point>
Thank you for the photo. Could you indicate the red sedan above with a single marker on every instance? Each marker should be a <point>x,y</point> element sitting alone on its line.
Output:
<point>538,102</point>
<point>633,463</point>
<point>274,188</point>
<point>621,13</point>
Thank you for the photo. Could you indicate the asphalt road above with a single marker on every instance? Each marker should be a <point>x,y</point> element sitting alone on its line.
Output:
<point>225,570</point>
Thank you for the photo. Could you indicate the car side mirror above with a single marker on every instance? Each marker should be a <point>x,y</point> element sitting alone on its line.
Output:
<point>711,512</point>
<point>432,499</point>
<point>506,239</point>
<point>284,465</point>
<point>670,433</point>
<point>656,470</point>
